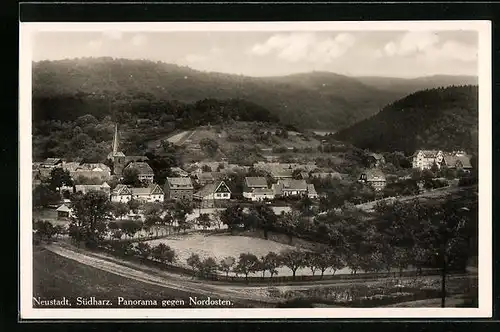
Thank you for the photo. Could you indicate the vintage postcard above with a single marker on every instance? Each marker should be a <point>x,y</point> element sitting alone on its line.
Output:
<point>255,170</point>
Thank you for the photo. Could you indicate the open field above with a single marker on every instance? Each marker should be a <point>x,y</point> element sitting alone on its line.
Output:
<point>222,245</point>
<point>55,276</point>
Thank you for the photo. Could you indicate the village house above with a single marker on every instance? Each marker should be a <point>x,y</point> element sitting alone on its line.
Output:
<point>213,192</point>
<point>457,160</point>
<point>290,187</point>
<point>85,188</point>
<point>261,194</point>
<point>203,166</point>
<point>177,171</point>
<point>152,193</point>
<point>130,159</point>
<point>252,184</point>
<point>51,163</point>
<point>375,159</point>
<point>311,191</point>
<point>64,212</point>
<point>98,171</point>
<point>121,193</point>
<point>373,177</point>
<point>178,188</point>
<point>326,175</point>
<point>282,174</point>
<point>145,172</point>
<point>425,159</point>
<point>209,177</point>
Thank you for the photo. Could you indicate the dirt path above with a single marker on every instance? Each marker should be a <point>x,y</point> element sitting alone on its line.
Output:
<point>156,277</point>
<point>185,138</point>
<point>436,193</point>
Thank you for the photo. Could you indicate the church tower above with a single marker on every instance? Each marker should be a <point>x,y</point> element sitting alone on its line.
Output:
<point>116,156</point>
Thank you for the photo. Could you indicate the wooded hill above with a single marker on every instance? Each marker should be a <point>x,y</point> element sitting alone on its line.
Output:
<point>67,89</point>
<point>442,118</point>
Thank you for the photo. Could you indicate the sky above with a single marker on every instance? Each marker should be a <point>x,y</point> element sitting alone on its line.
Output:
<point>261,53</point>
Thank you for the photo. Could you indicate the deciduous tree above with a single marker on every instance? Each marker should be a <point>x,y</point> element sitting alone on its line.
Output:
<point>90,214</point>
<point>293,259</point>
<point>226,264</point>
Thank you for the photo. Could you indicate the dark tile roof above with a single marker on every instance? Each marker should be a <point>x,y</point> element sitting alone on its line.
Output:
<point>256,182</point>
<point>141,166</point>
<point>180,183</point>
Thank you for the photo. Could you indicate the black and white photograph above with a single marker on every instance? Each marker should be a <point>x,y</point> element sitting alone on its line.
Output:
<point>255,170</point>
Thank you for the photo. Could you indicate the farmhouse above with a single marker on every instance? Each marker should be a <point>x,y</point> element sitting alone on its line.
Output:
<point>290,188</point>
<point>85,188</point>
<point>177,171</point>
<point>254,185</point>
<point>375,159</point>
<point>212,192</point>
<point>153,193</point>
<point>311,191</point>
<point>278,174</point>
<point>51,163</point>
<point>326,175</point>
<point>261,194</point>
<point>179,188</point>
<point>88,170</point>
<point>145,172</point>
<point>121,193</point>
<point>457,161</point>
<point>253,182</point>
<point>64,212</point>
<point>373,177</point>
<point>425,159</point>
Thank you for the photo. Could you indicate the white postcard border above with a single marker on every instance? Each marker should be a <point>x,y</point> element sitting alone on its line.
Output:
<point>27,31</point>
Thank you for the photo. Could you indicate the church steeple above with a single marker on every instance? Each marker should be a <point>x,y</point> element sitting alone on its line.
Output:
<point>115,141</point>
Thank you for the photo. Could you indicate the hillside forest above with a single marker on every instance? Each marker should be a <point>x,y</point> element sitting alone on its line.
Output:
<point>442,118</point>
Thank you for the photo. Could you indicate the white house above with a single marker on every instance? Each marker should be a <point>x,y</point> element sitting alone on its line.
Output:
<point>121,193</point>
<point>425,159</point>
<point>253,183</point>
<point>153,193</point>
<point>214,191</point>
<point>289,187</point>
<point>260,194</point>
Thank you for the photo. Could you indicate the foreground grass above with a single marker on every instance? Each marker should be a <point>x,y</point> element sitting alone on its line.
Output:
<point>55,276</point>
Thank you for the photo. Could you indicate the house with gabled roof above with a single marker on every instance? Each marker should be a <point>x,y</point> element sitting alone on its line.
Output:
<point>177,171</point>
<point>281,174</point>
<point>51,163</point>
<point>290,187</point>
<point>457,161</point>
<point>425,159</point>
<point>256,188</point>
<point>212,192</point>
<point>374,177</point>
<point>179,188</point>
<point>85,188</point>
<point>145,172</point>
<point>375,159</point>
<point>64,212</point>
<point>152,193</point>
<point>121,193</point>
<point>311,191</point>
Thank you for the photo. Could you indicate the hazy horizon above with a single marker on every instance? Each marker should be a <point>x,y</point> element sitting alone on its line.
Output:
<point>269,76</point>
<point>394,54</point>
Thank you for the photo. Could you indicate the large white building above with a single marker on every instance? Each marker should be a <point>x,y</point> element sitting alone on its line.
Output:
<point>425,159</point>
